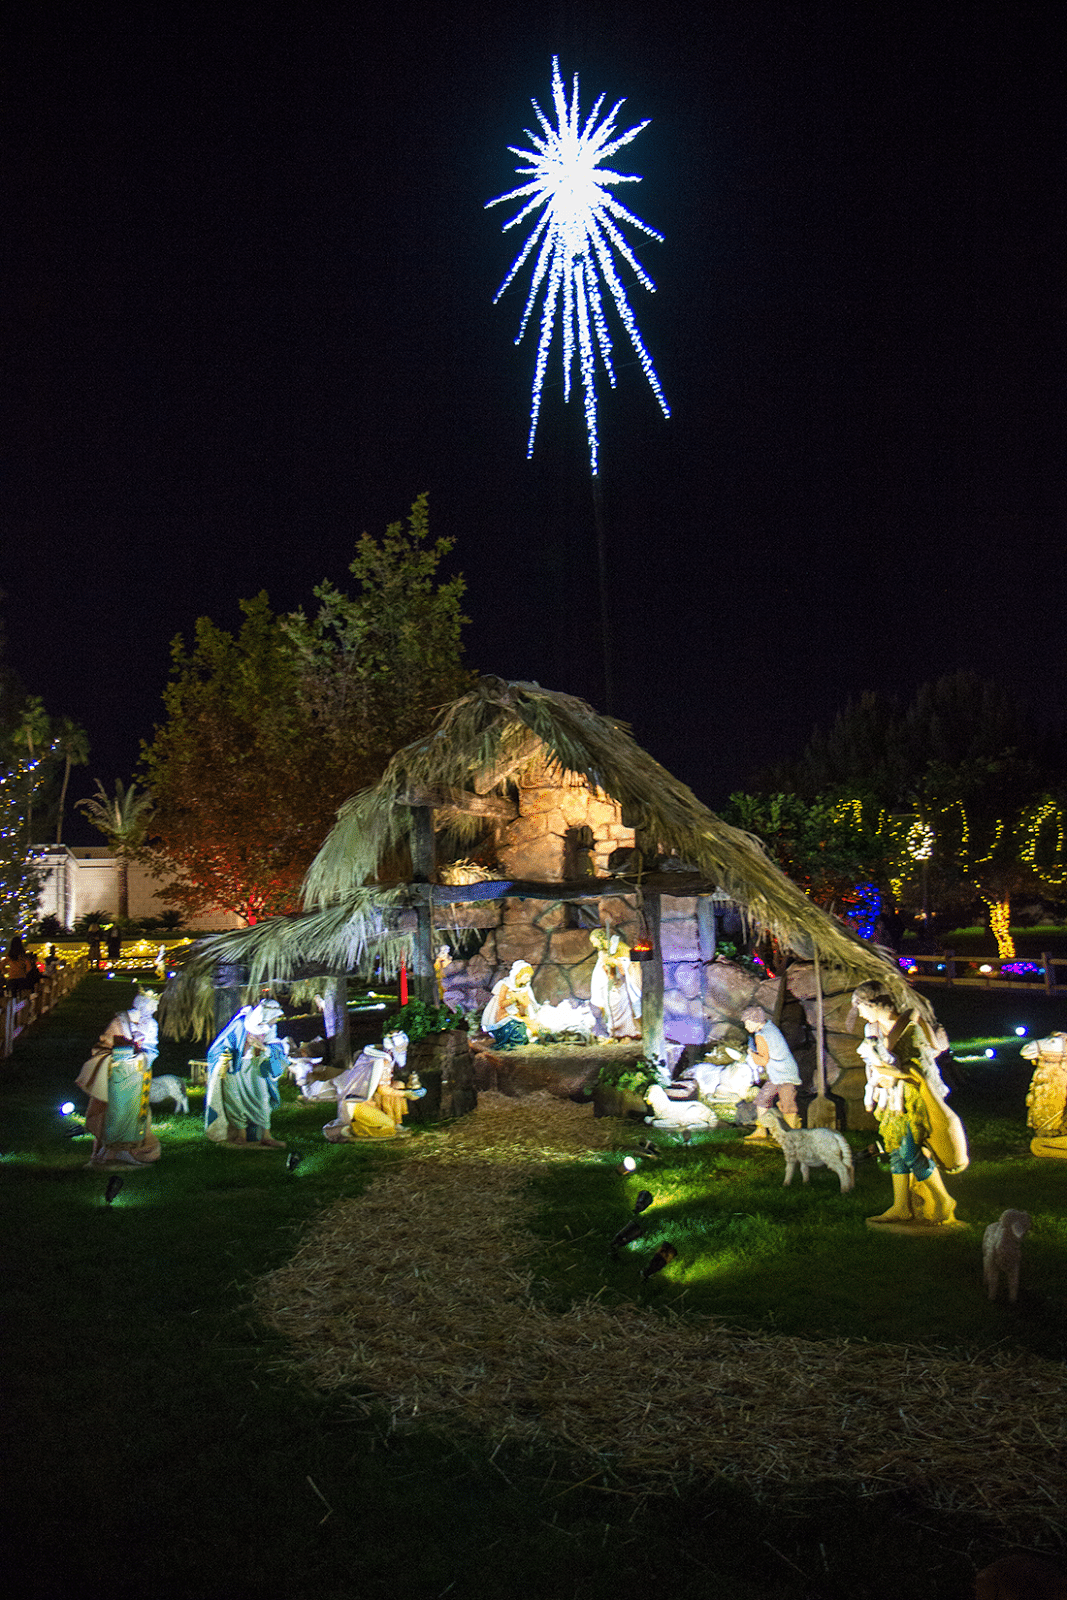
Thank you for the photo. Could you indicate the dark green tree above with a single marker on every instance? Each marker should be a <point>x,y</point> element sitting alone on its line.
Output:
<point>377,665</point>
<point>963,760</point>
<point>268,732</point>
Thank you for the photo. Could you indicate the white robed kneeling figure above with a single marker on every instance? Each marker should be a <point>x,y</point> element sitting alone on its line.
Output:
<point>117,1078</point>
<point>369,1104</point>
<point>245,1062</point>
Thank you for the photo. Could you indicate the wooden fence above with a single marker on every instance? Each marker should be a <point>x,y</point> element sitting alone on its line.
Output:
<point>23,1012</point>
<point>990,972</point>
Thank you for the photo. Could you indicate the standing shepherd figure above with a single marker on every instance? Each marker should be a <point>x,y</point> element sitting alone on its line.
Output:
<point>916,1125</point>
<point>117,1078</point>
<point>771,1057</point>
<point>244,1065</point>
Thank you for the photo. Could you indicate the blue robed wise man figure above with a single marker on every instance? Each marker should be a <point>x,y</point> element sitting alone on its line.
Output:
<point>245,1063</point>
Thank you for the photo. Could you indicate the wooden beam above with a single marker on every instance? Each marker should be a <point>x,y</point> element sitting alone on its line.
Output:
<point>494,806</point>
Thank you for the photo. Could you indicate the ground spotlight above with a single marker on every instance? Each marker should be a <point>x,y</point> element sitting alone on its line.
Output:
<point>643,1201</point>
<point>1020,1033</point>
<point>627,1164</point>
<point>114,1185</point>
<point>66,1108</point>
<point>633,1230</point>
<point>293,1160</point>
<point>991,1055</point>
<point>662,1258</point>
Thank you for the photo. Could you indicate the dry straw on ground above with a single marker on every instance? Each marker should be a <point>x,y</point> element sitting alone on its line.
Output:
<point>419,1295</point>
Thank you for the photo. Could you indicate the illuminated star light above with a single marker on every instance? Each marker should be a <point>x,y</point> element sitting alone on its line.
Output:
<point>575,240</point>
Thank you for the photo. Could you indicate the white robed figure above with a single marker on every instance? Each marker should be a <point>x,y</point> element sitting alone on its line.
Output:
<point>512,1015</point>
<point>615,986</point>
<point>369,1104</point>
<point>117,1078</point>
<point>245,1062</point>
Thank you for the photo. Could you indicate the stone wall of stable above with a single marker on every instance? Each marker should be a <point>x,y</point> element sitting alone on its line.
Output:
<point>540,845</point>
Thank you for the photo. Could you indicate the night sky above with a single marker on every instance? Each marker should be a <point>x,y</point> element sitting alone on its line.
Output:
<point>247,300</point>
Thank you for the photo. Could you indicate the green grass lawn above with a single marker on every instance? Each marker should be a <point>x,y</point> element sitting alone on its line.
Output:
<point>156,1446</point>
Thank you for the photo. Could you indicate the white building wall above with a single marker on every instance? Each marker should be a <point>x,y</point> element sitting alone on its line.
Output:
<point>76,880</point>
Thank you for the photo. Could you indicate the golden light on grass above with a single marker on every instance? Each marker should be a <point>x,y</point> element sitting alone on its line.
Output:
<point>419,1297</point>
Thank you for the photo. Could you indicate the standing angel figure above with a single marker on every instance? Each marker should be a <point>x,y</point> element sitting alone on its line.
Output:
<point>615,986</point>
<point>245,1062</point>
<point>117,1078</point>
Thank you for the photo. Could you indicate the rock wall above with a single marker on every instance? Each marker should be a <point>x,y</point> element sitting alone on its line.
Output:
<point>563,829</point>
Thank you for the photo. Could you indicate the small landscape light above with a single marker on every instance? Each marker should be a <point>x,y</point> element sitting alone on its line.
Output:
<point>990,1055</point>
<point>627,1235</point>
<point>985,967</point>
<point>643,1201</point>
<point>114,1184</point>
<point>662,1258</point>
<point>627,1164</point>
<point>293,1160</point>
<point>66,1108</point>
<point>1020,1033</point>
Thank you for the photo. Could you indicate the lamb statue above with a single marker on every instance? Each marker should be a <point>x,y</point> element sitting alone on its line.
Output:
<point>810,1147</point>
<point>1002,1252</point>
<point>668,1113</point>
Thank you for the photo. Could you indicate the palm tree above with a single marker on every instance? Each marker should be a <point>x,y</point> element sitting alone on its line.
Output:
<point>71,742</point>
<point>35,728</point>
<point>122,820</point>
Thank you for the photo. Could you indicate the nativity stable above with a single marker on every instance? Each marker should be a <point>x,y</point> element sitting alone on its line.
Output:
<point>523,824</point>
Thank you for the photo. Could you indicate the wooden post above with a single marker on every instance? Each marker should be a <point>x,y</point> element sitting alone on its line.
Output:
<point>423,980</point>
<point>822,1113</point>
<point>820,1041</point>
<point>1050,972</point>
<point>335,1016</point>
<point>652,1041</point>
<point>230,979</point>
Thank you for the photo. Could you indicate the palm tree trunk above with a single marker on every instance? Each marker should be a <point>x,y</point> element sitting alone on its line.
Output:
<point>124,888</point>
<point>62,802</point>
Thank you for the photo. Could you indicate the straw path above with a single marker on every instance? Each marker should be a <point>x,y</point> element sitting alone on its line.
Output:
<point>420,1294</point>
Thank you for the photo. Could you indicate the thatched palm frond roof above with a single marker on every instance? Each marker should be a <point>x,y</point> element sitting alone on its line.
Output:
<point>485,739</point>
<point>357,935</point>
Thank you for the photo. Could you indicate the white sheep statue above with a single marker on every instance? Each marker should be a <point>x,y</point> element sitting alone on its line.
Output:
<point>729,1083</point>
<point>668,1113</point>
<point>810,1147</point>
<point>1002,1252</point>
